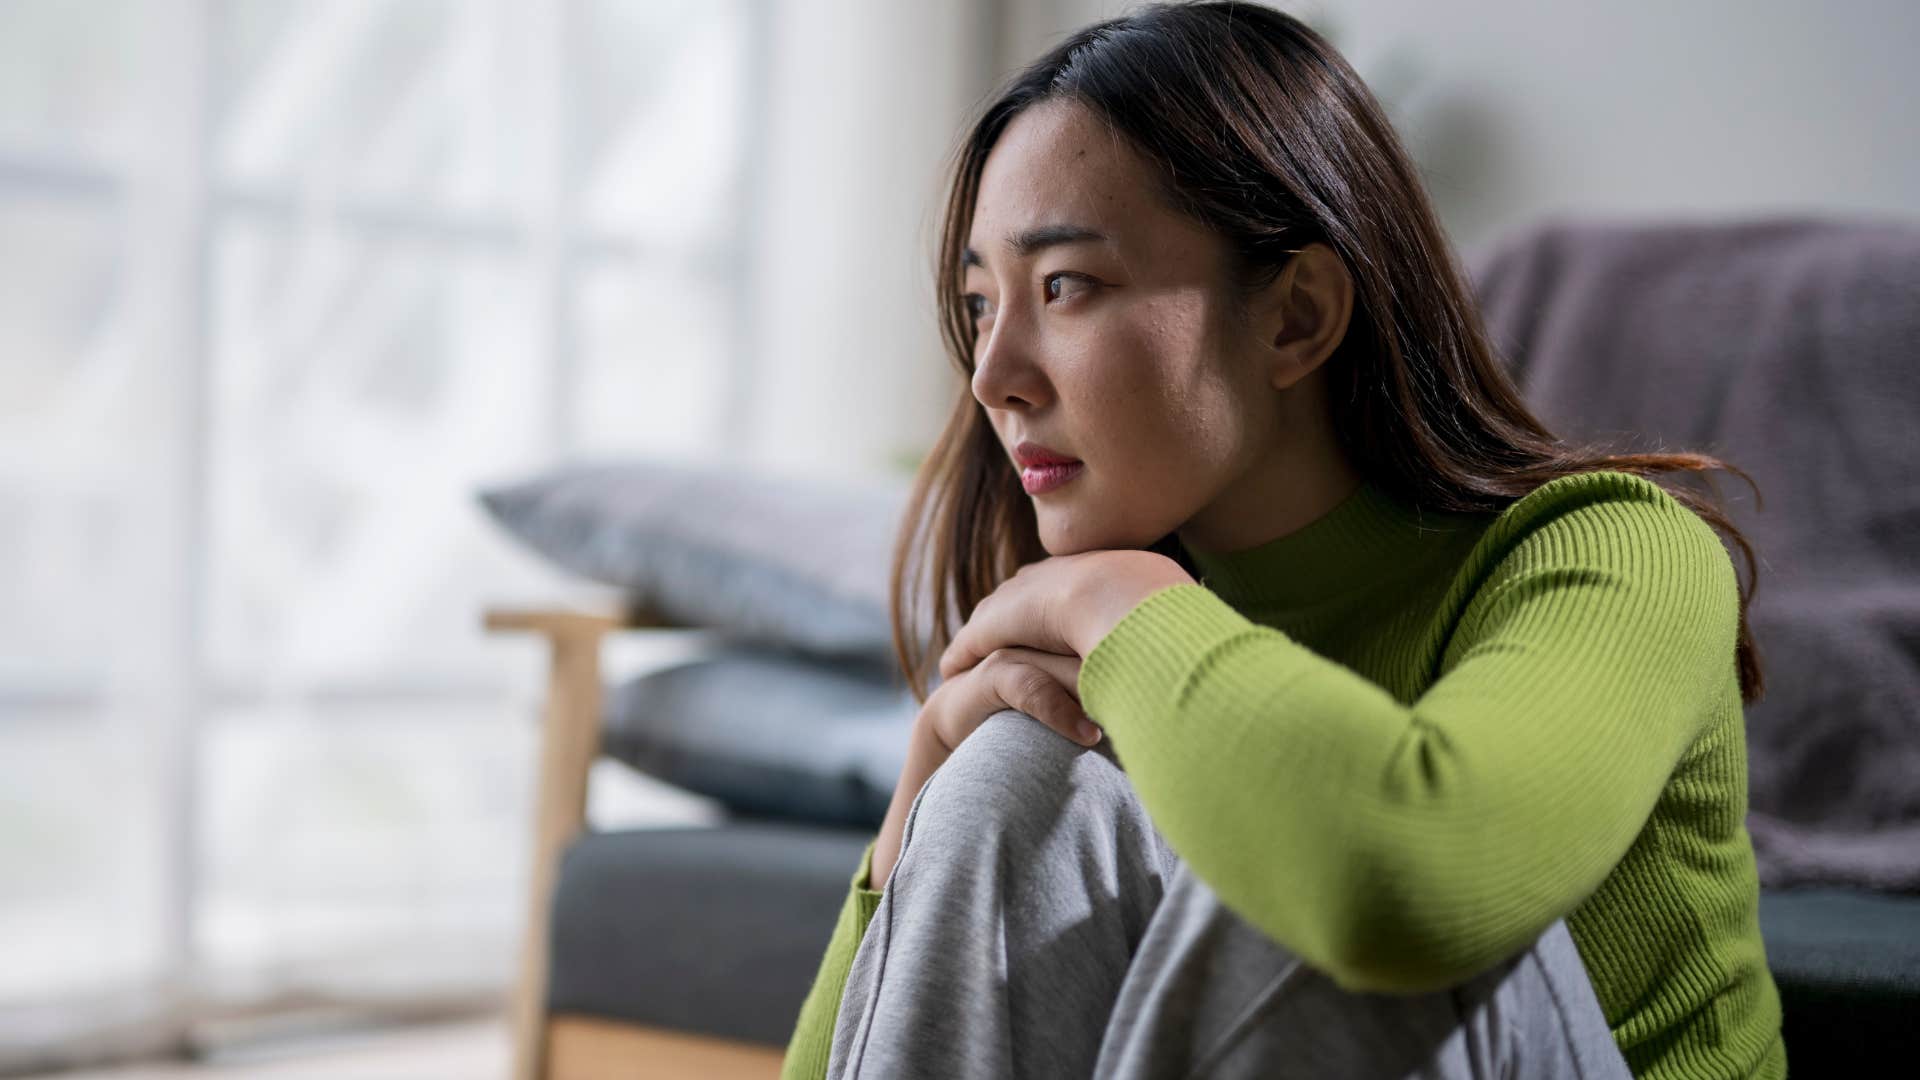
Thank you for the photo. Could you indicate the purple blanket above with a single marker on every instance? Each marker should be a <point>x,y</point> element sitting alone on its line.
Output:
<point>1789,347</point>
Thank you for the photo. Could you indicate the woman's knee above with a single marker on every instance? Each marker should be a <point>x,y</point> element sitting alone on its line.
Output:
<point>1021,815</point>
<point>1013,765</point>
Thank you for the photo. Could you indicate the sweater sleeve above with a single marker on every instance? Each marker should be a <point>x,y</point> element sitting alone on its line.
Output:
<point>812,1041</point>
<point>1405,848</point>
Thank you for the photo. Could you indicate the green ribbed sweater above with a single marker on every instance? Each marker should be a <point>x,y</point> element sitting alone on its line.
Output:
<point>1403,743</point>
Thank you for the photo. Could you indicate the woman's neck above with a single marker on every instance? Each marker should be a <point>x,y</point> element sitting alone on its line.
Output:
<point>1296,481</point>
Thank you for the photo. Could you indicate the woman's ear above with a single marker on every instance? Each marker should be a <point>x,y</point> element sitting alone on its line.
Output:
<point>1306,309</point>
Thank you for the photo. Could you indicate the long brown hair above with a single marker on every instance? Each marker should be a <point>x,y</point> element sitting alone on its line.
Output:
<point>1260,130</point>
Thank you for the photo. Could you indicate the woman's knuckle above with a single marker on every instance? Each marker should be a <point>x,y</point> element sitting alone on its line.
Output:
<point>1034,684</point>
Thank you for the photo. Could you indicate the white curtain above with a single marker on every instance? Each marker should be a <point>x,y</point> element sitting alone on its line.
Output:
<point>283,281</point>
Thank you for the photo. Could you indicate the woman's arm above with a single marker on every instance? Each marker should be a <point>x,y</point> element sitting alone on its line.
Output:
<point>1404,848</point>
<point>812,1041</point>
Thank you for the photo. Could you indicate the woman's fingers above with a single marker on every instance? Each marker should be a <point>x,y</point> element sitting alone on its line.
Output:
<point>1064,669</point>
<point>1021,682</point>
<point>1043,685</point>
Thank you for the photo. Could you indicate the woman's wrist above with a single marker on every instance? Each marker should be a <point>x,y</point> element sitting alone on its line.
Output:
<point>1110,596</point>
<point>925,750</point>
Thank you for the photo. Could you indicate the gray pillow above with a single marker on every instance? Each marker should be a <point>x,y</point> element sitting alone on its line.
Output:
<point>801,564</point>
<point>768,732</point>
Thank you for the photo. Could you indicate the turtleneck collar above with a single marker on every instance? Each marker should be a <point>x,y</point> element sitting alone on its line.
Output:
<point>1369,537</point>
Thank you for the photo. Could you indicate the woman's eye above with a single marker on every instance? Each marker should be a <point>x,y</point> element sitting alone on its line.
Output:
<point>1056,287</point>
<point>1059,277</point>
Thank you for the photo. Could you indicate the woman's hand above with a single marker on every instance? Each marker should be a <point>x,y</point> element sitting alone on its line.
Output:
<point>1063,605</point>
<point>1043,685</point>
<point>1021,649</point>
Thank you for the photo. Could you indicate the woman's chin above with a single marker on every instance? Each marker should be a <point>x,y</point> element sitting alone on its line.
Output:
<point>1061,539</point>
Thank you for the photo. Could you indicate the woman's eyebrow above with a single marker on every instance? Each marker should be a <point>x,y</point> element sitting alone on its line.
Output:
<point>1023,245</point>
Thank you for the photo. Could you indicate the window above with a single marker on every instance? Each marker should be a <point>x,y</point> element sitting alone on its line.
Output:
<point>283,283</point>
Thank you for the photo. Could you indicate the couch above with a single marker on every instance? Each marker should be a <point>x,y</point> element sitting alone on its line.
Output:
<point>1789,346</point>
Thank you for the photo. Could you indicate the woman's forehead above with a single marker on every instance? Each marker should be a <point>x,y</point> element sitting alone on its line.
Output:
<point>1060,174</point>
<point>1055,166</point>
<point>1059,167</point>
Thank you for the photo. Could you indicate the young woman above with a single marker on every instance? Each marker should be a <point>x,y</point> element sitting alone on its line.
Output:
<point>1431,723</point>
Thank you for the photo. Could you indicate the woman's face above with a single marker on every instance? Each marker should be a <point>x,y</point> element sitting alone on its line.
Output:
<point>1109,336</point>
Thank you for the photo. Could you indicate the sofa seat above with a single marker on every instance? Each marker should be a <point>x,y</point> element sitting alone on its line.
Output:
<point>714,930</point>
<point>719,931</point>
<point>1847,963</point>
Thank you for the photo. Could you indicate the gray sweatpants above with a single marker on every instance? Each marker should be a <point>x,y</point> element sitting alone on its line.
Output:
<point>1037,925</point>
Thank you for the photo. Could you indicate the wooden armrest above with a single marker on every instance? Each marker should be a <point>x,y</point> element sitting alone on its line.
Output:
<point>569,621</point>
<point>569,743</point>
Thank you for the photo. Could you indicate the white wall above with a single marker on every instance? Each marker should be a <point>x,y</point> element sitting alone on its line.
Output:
<point>1704,108</point>
<point>1513,110</point>
<point>868,98</point>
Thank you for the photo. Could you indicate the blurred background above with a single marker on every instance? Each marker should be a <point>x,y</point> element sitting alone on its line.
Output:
<point>283,282</point>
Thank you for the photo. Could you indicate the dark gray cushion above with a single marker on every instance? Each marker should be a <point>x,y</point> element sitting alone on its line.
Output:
<point>769,732</point>
<point>1847,963</point>
<point>711,930</point>
<point>802,564</point>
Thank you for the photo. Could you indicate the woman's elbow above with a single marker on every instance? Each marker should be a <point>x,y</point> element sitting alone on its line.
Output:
<point>1386,963</point>
<point>1410,940</point>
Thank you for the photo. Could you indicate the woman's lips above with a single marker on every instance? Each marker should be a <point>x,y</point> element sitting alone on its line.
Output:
<point>1040,479</point>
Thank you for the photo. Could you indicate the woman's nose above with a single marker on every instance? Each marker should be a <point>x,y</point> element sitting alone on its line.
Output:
<point>1006,374</point>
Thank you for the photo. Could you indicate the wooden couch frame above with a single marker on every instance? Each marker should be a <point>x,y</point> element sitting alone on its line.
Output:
<point>561,1046</point>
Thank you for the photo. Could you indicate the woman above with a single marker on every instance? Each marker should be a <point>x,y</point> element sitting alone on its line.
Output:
<point>1431,723</point>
